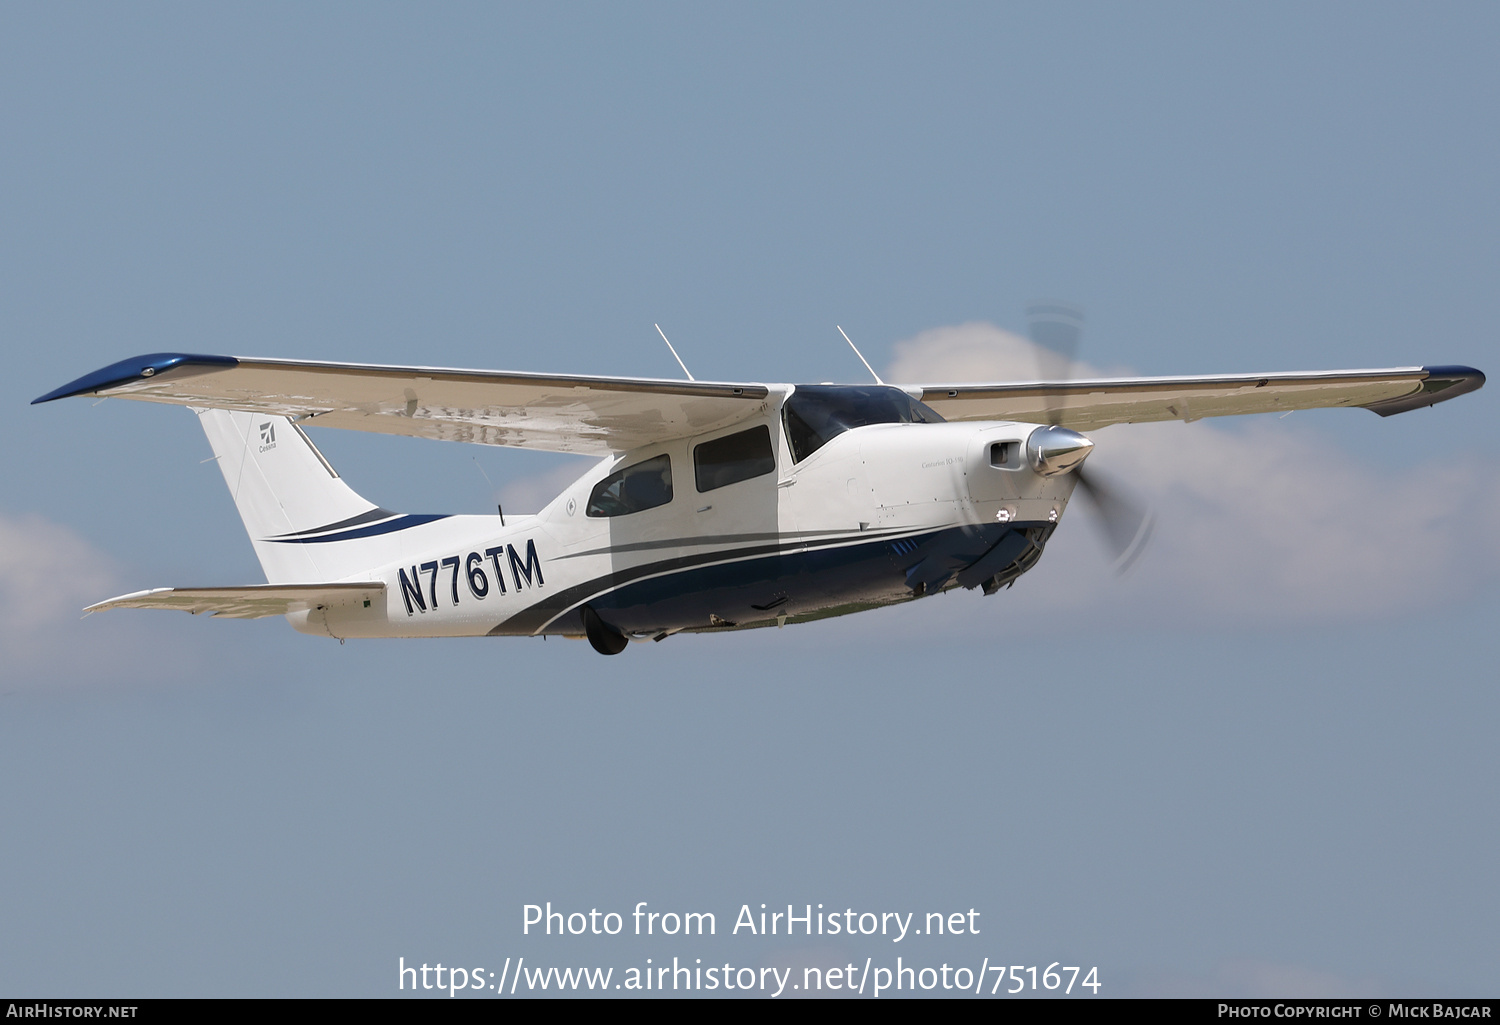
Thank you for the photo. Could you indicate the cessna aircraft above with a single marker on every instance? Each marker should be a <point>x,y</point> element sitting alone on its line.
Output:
<point>715,506</point>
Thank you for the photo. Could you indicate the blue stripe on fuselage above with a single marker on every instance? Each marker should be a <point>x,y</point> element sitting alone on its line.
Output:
<point>747,585</point>
<point>399,523</point>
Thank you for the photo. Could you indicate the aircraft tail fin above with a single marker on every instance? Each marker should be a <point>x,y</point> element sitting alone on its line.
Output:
<point>286,490</point>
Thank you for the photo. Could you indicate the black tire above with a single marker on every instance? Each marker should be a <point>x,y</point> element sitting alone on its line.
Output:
<point>605,638</point>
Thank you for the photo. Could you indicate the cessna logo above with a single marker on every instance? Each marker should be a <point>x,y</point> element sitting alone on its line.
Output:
<point>267,437</point>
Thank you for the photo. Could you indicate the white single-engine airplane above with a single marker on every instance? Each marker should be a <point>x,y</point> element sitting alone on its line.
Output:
<point>715,507</point>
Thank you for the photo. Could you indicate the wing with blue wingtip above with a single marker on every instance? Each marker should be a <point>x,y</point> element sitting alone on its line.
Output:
<point>1091,404</point>
<point>555,412</point>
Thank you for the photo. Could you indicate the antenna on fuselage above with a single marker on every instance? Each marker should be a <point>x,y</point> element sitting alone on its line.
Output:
<point>861,356</point>
<point>498,507</point>
<point>678,358</point>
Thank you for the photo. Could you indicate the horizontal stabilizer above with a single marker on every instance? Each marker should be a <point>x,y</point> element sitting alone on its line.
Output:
<point>251,601</point>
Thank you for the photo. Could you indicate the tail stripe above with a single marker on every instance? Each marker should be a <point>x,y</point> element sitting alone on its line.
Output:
<point>352,521</point>
<point>399,523</point>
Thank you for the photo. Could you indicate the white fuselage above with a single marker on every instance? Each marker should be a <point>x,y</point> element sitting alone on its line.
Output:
<point>879,514</point>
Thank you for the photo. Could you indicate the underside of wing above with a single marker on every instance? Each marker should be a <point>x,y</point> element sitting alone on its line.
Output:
<point>251,601</point>
<point>1091,404</point>
<point>554,412</point>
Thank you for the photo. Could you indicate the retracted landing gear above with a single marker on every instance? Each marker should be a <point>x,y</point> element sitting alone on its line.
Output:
<point>605,638</point>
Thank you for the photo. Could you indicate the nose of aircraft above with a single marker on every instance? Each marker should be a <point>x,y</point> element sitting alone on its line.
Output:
<point>1055,450</point>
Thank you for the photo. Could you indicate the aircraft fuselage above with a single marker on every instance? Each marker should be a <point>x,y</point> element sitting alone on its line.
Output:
<point>877,515</point>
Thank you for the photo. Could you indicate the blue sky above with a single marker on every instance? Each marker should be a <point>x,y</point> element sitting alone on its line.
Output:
<point>1261,762</point>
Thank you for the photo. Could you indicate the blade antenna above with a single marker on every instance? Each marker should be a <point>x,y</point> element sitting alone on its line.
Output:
<point>861,356</point>
<point>499,508</point>
<point>678,358</point>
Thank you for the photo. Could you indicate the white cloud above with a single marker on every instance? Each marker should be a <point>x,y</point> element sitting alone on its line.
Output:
<point>47,574</point>
<point>528,494</point>
<point>978,352</point>
<point>1277,522</point>
<point>1271,522</point>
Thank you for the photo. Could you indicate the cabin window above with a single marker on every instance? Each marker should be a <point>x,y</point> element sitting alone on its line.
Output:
<point>816,414</point>
<point>634,489</point>
<point>733,458</point>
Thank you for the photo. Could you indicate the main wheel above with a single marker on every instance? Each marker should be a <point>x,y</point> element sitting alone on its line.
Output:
<point>605,638</point>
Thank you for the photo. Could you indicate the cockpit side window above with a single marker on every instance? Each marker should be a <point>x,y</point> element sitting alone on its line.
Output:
<point>634,489</point>
<point>815,414</point>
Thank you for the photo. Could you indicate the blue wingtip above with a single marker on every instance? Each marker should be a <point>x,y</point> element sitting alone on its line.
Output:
<point>134,369</point>
<point>1474,379</point>
<point>1441,384</point>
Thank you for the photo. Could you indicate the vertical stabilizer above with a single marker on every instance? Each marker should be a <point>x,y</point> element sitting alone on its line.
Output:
<point>285,490</point>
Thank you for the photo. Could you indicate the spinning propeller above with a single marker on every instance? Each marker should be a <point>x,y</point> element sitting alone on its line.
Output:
<point>1125,521</point>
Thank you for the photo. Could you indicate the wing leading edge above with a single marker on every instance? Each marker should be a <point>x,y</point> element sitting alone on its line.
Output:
<point>555,412</point>
<point>1091,404</point>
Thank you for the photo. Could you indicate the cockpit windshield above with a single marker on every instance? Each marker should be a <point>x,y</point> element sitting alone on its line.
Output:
<point>815,414</point>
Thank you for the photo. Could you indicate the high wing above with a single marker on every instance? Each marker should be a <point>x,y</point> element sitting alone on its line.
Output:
<point>555,412</point>
<point>600,415</point>
<point>251,601</point>
<point>1091,404</point>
